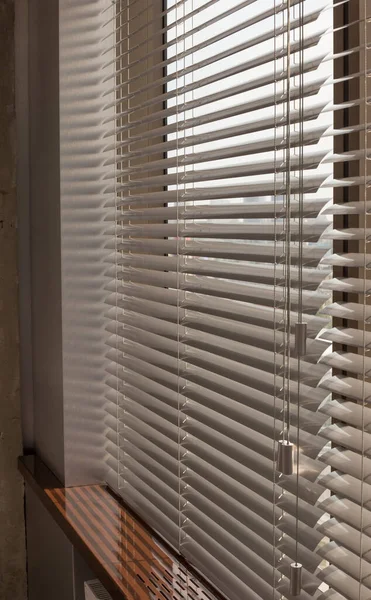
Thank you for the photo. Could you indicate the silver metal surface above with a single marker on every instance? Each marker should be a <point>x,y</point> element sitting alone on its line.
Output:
<point>295,578</point>
<point>300,339</point>
<point>285,457</point>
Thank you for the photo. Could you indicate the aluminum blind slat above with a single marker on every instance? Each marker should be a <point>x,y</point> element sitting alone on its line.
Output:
<point>135,419</point>
<point>164,307</point>
<point>250,292</point>
<point>312,230</point>
<point>347,511</point>
<point>227,143</point>
<point>236,250</point>
<point>160,352</point>
<point>349,412</point>
<point>348,461</point>
<point>346,535</point>
<point>347,585</point>
<point>228,269</point>
<point>164,375</point>
<point>348,310</point>
<point>211,495</point>
<point>219,115</point>
<point>250,43</point>
<point>252,211</point>
<point>228,355</point>
<point>348,259</point>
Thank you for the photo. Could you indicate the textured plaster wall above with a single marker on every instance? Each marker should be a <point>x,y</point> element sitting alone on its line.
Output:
<point>12,539</point>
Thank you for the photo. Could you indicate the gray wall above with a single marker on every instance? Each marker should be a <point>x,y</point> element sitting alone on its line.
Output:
<point>12,542</point>
<point>62,263</point>
<point>66,241</point>
<point>45,233</point>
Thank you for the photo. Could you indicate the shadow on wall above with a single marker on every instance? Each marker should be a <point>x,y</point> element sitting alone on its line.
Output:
<point>12,537</point>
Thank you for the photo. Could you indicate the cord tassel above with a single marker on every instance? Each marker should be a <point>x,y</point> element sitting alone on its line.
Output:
<point>285,461</point>
<point>300,339</point>
<point>295,578</point>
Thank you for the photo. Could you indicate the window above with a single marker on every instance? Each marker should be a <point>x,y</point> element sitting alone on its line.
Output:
<point>238,137</point>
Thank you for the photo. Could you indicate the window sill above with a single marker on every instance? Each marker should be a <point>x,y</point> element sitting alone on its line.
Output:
<point>127,558</point>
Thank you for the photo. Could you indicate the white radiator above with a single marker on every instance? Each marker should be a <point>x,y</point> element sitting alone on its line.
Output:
<point>94,590</point>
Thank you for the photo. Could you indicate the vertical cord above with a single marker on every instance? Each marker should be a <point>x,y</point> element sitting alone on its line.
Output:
<point>300,255</point>
<point>364,47</point>
<point>180,519</point>
<point>116,31</point>
<point>125,60</point>
<point>181,222</point>
<point>287,218</point>
<point>274,562</point>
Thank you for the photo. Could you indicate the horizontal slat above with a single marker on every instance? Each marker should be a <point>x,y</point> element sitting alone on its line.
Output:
<point>331,595</point>
<point>347,486</point>
<point>257,125</point>
<point>271,143</point>
<point>199,459</point>
<point>168,352</point>
<point>348,208</point>
<point>248,169</point>
<point>236,250</point>
<point>248,292</point>
<point>174,23</point>
<point>250,578</point>
<point>180,17</point>
<point>246,486</point>
<point>345,584</point>
<point>348,386</point>
<point>351,233</point>
<point>348,437</point>
<point>207,281</point>
<point>205,494</point>
<point>220,427</point>
<point>146,423</point>
<point>348,260</point>
<point>257,534</point>
<point>348,361</point>
<point>227,353</point>
<point>268,187</point>
<point>348,462</point>
<point>199,312</point>
<point>159,369</point>
<point>308,277</point>
<point>347,536</point>
<point>243,108</point>
<point>262,336</point>
<point>249,42</point>
<point>255,552</point>
<point>347,561</point>
<point>349,412</point>
<point>212,493</point>
<point>251,210</point>
<point>237,69</point>
<point>351,285</point>
<point>348,310</point>
<point>345,510</point>
<point>347,336</point>
<point>266,166</point>
<point>229,51</point>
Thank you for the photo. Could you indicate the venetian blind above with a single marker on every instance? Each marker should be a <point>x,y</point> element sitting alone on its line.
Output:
<point>236,135</point>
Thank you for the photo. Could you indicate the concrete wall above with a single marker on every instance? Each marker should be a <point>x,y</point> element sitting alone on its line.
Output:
<point>12,540</point>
